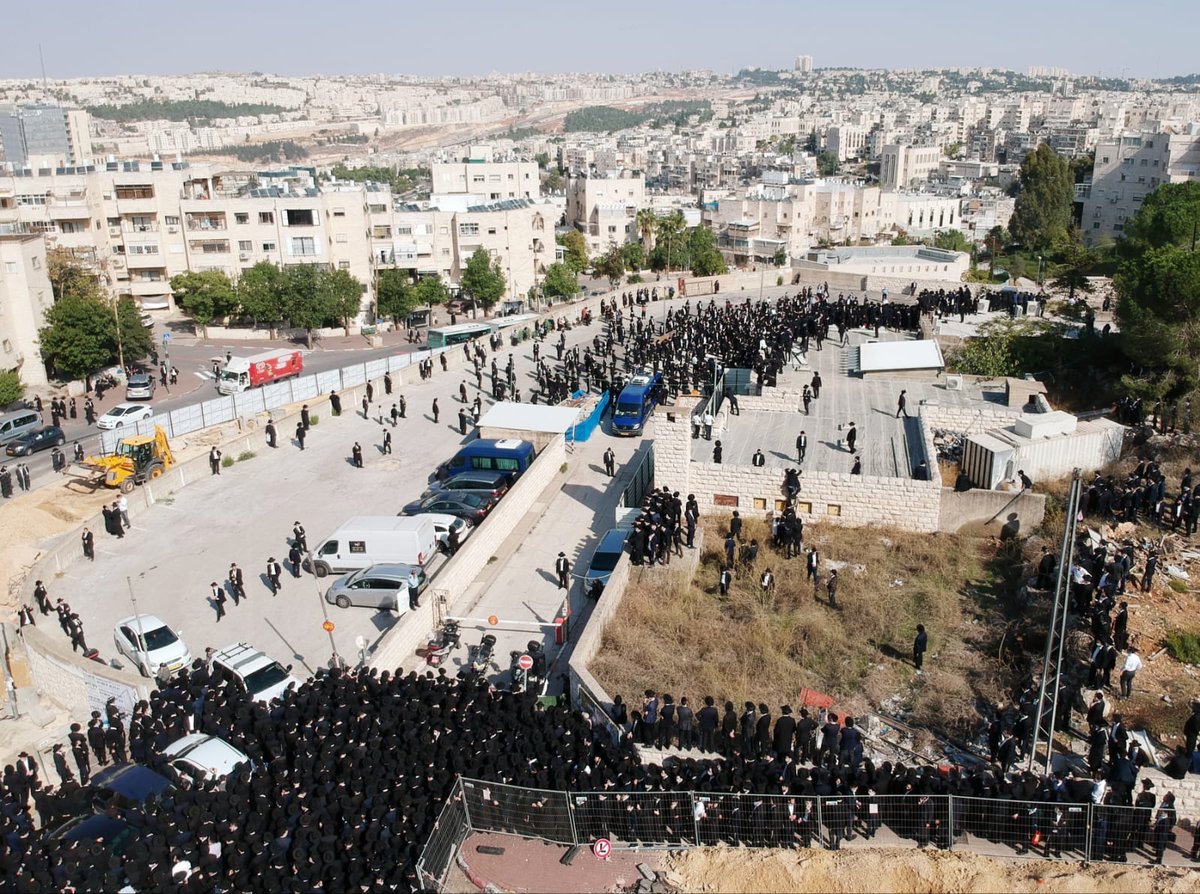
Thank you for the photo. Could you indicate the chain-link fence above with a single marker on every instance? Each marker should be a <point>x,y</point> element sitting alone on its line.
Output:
<point>448,833</point>
<point>999,827</point>
<point>641,479</point>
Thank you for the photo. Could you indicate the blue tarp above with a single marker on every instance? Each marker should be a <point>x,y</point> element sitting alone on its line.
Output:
<point>583,430</point>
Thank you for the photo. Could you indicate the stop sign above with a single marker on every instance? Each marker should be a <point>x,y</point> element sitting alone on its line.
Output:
<point>525,663</point>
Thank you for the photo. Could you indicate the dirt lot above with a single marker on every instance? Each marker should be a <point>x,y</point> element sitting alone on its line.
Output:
<point>680,636</point>
<point>904,871</point>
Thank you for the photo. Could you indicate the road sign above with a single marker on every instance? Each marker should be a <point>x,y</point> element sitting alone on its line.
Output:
<point>327,626</point>
<point>493,620</point>
<point>602,848</point>
<point>525,662</point>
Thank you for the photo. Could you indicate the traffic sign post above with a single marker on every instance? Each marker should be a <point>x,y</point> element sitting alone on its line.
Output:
<point>525,662</point>
<point>602,848</point>
<point>327,626</point>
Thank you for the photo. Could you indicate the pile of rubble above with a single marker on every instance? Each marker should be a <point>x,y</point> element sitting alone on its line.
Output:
<point>652,882</point>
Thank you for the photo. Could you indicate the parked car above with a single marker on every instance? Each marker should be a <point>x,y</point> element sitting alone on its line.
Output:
<point>471,505</point>
<point>115,834</point>
<point>200,757</point>
<point>126,785</point>
<point>605,557</point>
<point>443,523</point>
<point>32,442</point>
<point>254,672</point>
<point>487,481</point>
<point>384,587</point>
<point>124,414</point>
<point>150,644</point>
<point>139,387</point>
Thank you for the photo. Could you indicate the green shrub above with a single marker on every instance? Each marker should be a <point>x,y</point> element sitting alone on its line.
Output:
<point>563,468</point>
<point>1184,647</point>
<point>245,455</point>
<point>634,279</point>
<point>1179,586</point>
<point>313,419</point>
<point>227,462</point>
<point>779,280</point>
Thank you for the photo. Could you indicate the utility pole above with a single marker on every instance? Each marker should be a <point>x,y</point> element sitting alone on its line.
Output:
<point>137,620</point>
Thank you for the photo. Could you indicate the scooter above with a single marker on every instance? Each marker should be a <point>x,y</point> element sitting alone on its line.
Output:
<point>479,659</point>
<point>447,641</point>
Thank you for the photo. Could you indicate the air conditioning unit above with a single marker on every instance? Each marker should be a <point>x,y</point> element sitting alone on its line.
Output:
<point>172,229</point>
<point>954,383</point>
<point>243,256</point>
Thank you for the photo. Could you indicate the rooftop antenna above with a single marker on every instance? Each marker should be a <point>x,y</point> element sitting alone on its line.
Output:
<point>42,57</point>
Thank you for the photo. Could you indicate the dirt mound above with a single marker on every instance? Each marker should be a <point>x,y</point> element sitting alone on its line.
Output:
<point>903,871</point>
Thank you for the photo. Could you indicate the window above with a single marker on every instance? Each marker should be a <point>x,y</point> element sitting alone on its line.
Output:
<point>495,178</point>
<point>142,249</point>
<point>491,231</point>
<point>10,266</point>
<point>301,217</point>
<point>343,265</point>
<point>404,231</point>
<point>135,192</point>
<point>241,217</point>
<point>304,246</point>
<point>266,217</point>
<point>1096,225</point>
<point>245,245</point>
<point>171,221</point>
<point>445,231</point>
<point>268,246</point>
<point>477,178</point>
<point>468,229</point>
<point>339,212</point>
<point>341,237</point>
<point>31,200</point>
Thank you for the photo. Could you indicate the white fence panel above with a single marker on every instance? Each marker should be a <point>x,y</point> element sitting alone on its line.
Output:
<point>398,362</point>
<point>186,419</point>
<point>353,375</point>
<point>217,411</point>
<point>249,403</point>
<point>330,380</point>
<point>376,368</point>
<point>276,394</point>
<point>304,388</point>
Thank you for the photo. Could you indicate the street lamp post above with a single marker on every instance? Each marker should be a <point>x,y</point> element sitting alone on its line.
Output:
<point>137,620</point>
<point>327,626</point>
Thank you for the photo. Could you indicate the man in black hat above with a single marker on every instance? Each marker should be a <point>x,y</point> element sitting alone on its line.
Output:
<point>562,568</point>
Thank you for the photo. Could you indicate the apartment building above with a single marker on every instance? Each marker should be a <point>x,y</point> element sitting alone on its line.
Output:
<point>25,295</point>
<point>136,224</point>
<point>1128,169</point>
<point>491,181</point>
<point>847,140</point>
<point>904,166</point>
<point>603,207</point>
<point>44,136</point>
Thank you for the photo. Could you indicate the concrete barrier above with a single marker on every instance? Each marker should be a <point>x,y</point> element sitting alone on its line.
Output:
<point>80,686</point>
<point>415,628</point>
<point>992,507</point>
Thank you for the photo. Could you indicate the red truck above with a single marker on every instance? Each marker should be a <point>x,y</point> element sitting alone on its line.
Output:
<point>243,373</point>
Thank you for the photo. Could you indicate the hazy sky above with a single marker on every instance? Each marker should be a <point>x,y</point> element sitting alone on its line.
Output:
<point>476,37</point>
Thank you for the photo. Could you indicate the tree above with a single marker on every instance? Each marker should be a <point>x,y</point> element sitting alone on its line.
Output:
<point>780,258</point>
<point>706,259</point>
<point>430,291</point>
<point>302,301</point>
<point>1072,275</point>
<point>79,337</point>
<point>542,159</point>
<point>482,278</point>
<point>340,294</point>
<point>560,281</point>
<point>994,240</point>
<point>132,339</point>
<point>827,164</point>
<point>553,181</point>
<point>951,240</point>
<point>671,244</point>
<point>811,144</point>
<point>611,265</point>
<point>576,256</point>
<point>395,297</point>
<point>205,295</point>
<point>647,221</point>
<point>634,256</point>
<point>1041,217</point>
<point>67,277</point>
<point>1158,285</point>
<point>260,294</point>
<point>11,389</point>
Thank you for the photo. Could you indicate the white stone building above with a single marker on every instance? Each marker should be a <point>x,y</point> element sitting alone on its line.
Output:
<point>25,295</point>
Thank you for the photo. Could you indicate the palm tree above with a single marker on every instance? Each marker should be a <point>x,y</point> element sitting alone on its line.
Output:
<point>646,219</point>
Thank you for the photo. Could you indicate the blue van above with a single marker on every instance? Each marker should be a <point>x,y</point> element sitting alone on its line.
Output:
<point>505,455</point>
<point>635,403</point>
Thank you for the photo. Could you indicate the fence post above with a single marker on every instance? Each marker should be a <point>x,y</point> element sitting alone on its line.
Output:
<point>695,819</point>
<point>1087,834</point>
<point>571,817</point>
<point>462,790</point>
<point>949,822</point>
<point>820,822</point>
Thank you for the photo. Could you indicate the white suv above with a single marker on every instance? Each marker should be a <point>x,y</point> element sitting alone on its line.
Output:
<point>255,673</point>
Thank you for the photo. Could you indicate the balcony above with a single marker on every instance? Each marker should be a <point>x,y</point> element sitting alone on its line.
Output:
<point>73,211</point>
<point>128,226</point>
<point>206,221</point>
<point>144,261</point>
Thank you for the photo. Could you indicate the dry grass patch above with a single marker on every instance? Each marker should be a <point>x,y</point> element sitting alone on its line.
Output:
<point>678,635</point>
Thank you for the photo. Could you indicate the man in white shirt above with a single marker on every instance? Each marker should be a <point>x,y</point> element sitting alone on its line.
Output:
<point>1133,664</point>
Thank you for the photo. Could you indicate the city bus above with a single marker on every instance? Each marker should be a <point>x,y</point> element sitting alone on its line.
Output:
<point>446,336</point>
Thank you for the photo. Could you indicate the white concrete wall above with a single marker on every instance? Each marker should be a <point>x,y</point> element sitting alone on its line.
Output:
<point>968,420</point>
<point>416,627</point>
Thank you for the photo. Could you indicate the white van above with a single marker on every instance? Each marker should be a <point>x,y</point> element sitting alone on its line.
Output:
<point>17,423</point>
<point>370,540</point>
